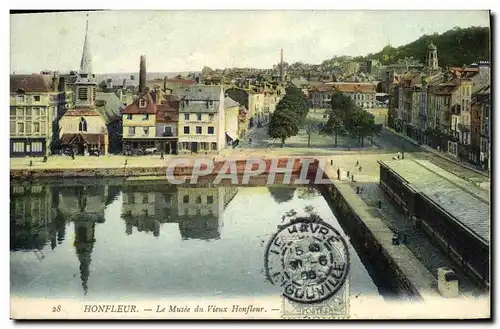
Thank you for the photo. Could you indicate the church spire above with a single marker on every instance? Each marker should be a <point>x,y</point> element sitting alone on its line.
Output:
<point>86,63</point>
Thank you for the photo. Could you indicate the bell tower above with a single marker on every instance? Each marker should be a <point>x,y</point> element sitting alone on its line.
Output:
<point>85,85</point>
<point>432,59</point>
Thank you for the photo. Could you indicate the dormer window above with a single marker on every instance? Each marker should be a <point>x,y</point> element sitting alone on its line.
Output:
<point>142,103</point>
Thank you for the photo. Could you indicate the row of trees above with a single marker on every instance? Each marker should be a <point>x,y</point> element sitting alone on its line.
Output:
<point>346,119</point>
<point>291,111</point>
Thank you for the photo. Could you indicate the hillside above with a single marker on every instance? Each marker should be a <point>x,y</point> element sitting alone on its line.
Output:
<point>456,47</point>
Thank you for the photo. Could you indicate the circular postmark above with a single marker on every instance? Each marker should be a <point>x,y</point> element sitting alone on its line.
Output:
<point>309,259</point>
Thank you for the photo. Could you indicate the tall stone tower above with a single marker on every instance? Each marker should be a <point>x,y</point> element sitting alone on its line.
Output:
<point>142,74</point>
<point>85,84</point>
<point>432,59</point>
<point>282,68</point>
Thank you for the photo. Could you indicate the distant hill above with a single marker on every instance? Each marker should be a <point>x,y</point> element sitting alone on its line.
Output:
<point>456,47</point>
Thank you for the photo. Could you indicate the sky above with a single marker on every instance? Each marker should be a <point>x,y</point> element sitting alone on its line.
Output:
<point>176,41</point>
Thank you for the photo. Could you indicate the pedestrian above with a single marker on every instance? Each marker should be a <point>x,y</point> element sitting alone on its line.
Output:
<point>348,173</point>
<point>126,161</point>
<point>338,173</point>
<point>162,156</point>
<point>357,163</point>
<point>399,155</point>
<point>45,159</point>
<point>360,168</point>
<point>73,155</point>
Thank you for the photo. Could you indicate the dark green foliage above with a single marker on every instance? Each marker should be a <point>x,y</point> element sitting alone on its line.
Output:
<point>290,112</point>
<point>283,124</point>
<point>456,47</point>
<point>239,95</point>
<point>346,118</point>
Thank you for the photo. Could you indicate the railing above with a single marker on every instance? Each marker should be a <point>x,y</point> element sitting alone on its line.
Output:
<point>168,134</point>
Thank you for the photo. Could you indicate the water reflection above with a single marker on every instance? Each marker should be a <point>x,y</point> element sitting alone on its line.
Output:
<point>97,239</point>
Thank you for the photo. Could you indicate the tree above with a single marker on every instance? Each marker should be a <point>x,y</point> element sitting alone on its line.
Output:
<point>334,126</point>
<point>310,126</point>
<point>283,124</point>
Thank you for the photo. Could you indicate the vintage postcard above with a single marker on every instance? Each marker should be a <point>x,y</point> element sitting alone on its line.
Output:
<point>250,165</point>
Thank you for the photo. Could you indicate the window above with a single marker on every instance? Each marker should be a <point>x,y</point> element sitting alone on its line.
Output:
<point>83,125</point>
<point>129,116</point>
<point>18,147</point>
<point>28,127</point>
<point>28,112</point>
<point>204,146</point>
<point>185,199</point>
<point>42,112</point>
<point>198,130</point>
<point>20,99</point>
<point>145,117</point>
<point>210,199</point>
<point>131,131</point>
<point>214,146</point>
<point>36,147</point>
<point>211,117</point>
<point>186,116</point>
<point>36,127</point>
<point>142,103</point>
<point>168,130</point>
<point>210,130</point>
<point>36,98</point>
<point>186,129</point>
<point>12,127</point>
<point>36,111</point>
<point>198,199</point>
<point>13,111</point>
<point>83,93</point>
<point>145,130</point>
<point>186,146</point>
<point>198,117</point>
<point>20,127</point>
<point>20,112</point>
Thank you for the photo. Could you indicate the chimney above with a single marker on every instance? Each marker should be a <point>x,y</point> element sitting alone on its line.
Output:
<point>142,74</point>
<point>55,82</point>
<point>62,84</point>
<point>281,65</point>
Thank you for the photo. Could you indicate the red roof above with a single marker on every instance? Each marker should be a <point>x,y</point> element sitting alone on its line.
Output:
<point>168,111</point>
<point>183,82</point>
<point>81,111</point>
<point>134,108</point>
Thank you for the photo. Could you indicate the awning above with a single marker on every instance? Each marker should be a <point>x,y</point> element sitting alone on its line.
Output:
<point>231,134</point>
<point>67,139</point>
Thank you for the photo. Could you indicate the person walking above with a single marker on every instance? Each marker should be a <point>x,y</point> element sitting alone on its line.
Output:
<point>338,173</point>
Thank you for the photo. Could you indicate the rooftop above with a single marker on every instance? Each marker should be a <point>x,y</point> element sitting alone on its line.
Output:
<point>464,201</point>
<point>31,83</point>
<point>229,102</point>
<point>199,93</point>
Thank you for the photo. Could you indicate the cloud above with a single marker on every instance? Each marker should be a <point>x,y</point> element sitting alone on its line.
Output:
<point>178,41</point>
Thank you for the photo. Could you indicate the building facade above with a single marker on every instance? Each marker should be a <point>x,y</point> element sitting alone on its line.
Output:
<point>84,127</point>
<point>362,94</point>
<point>139,124</point>
<point>37,102</point>
<point>167,121</point>
<point>201,120</point>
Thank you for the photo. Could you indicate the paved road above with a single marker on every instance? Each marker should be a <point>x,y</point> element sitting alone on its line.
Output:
<point>390,141</point>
